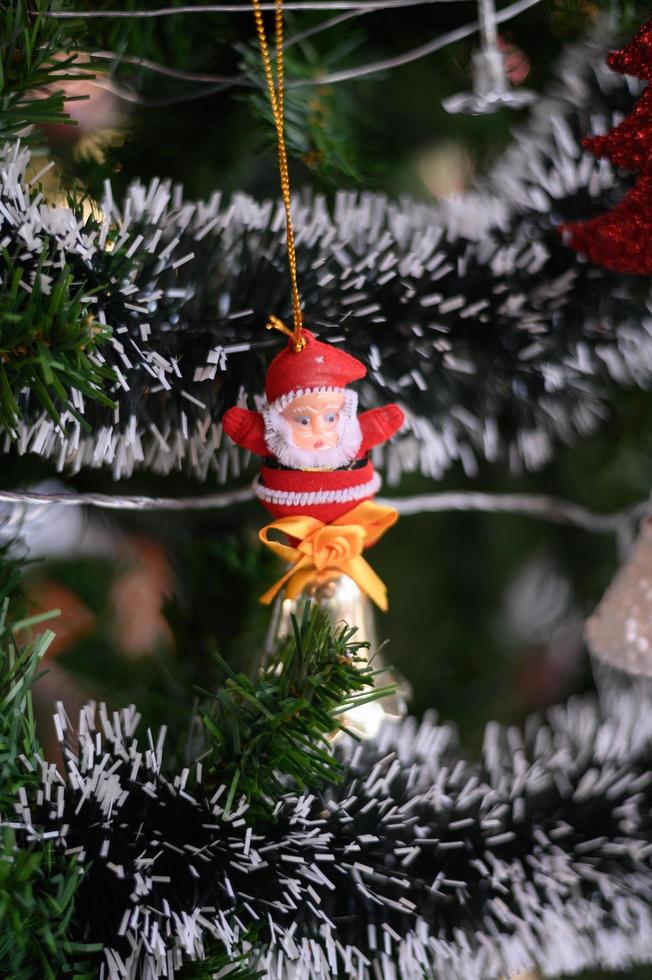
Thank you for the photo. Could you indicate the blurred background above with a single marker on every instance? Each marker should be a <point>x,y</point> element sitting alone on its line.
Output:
<point>487,611</point>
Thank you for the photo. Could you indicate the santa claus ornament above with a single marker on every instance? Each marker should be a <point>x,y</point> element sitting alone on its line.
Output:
<point>316,475</point>
<point>313,444</point>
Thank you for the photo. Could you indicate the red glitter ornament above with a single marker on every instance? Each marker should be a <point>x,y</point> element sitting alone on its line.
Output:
<point>629,145</point>
<point>635,58</point>
<point>621,239</point>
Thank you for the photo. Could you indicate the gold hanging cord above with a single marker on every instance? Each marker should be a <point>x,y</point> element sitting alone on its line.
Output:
<point>276,93</point>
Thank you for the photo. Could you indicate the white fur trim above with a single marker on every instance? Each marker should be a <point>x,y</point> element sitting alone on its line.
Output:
<point>289,396</point>
<point>309,498</point>
<point>278,434</point>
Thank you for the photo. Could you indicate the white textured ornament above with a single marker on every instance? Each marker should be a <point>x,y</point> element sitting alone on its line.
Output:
<point>619,632</point>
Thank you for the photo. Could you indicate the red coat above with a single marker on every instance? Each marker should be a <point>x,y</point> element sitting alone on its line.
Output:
<point>324,494</point>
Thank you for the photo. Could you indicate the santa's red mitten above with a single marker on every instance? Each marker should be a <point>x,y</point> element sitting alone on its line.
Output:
<point>379,424</point>
<point>247,429</point>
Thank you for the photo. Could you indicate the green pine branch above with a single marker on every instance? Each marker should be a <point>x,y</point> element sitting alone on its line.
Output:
<point>37,54</point>
<point>217,963</point>
<point>320,121</point>
<point>48,335</point>
<point>276,730</point>
<point>37,886</point>
<point>47,339</point>
<point>19,664</point>
<point>37,909</point>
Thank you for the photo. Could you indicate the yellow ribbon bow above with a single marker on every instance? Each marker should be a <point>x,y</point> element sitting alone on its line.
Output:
<point>337,546</point>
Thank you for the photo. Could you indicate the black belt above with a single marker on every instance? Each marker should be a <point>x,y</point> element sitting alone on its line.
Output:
<point>273,464</point>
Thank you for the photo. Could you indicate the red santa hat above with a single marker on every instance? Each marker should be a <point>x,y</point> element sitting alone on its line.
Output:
<point>317,366</point>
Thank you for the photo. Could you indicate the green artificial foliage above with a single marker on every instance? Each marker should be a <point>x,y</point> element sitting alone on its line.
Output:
<point>19,662</point>
<point>48,333</point>
<point>260,737</point>
<point>37,54</point>
<point>37,907</point>
<point>218,568</point>
<point>37,887</point>
<point>47,341</point>
<point>11,583</point>
<point>279,726</point>
<point>319,119</point>
<point>214,606</point>
<point>216,964</point>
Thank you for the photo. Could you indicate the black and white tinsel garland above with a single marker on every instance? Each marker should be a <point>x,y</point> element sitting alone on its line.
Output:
<point>420,863</point>
<point>472,313</point>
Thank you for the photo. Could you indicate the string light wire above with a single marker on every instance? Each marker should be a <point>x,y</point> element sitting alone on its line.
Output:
<point>226,81</point>
<point>436,44</point>
<point>555,510</point>
<point>361,71</point>
<point>239,8</point>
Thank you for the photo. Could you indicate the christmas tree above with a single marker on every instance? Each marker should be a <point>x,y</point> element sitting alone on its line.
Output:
<point>195,784</point>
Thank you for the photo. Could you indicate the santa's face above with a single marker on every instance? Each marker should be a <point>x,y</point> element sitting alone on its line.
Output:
<point>314,418</point>
<point>315,429</point>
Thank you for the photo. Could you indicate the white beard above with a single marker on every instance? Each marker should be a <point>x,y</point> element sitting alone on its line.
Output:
<point>278,439</point>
